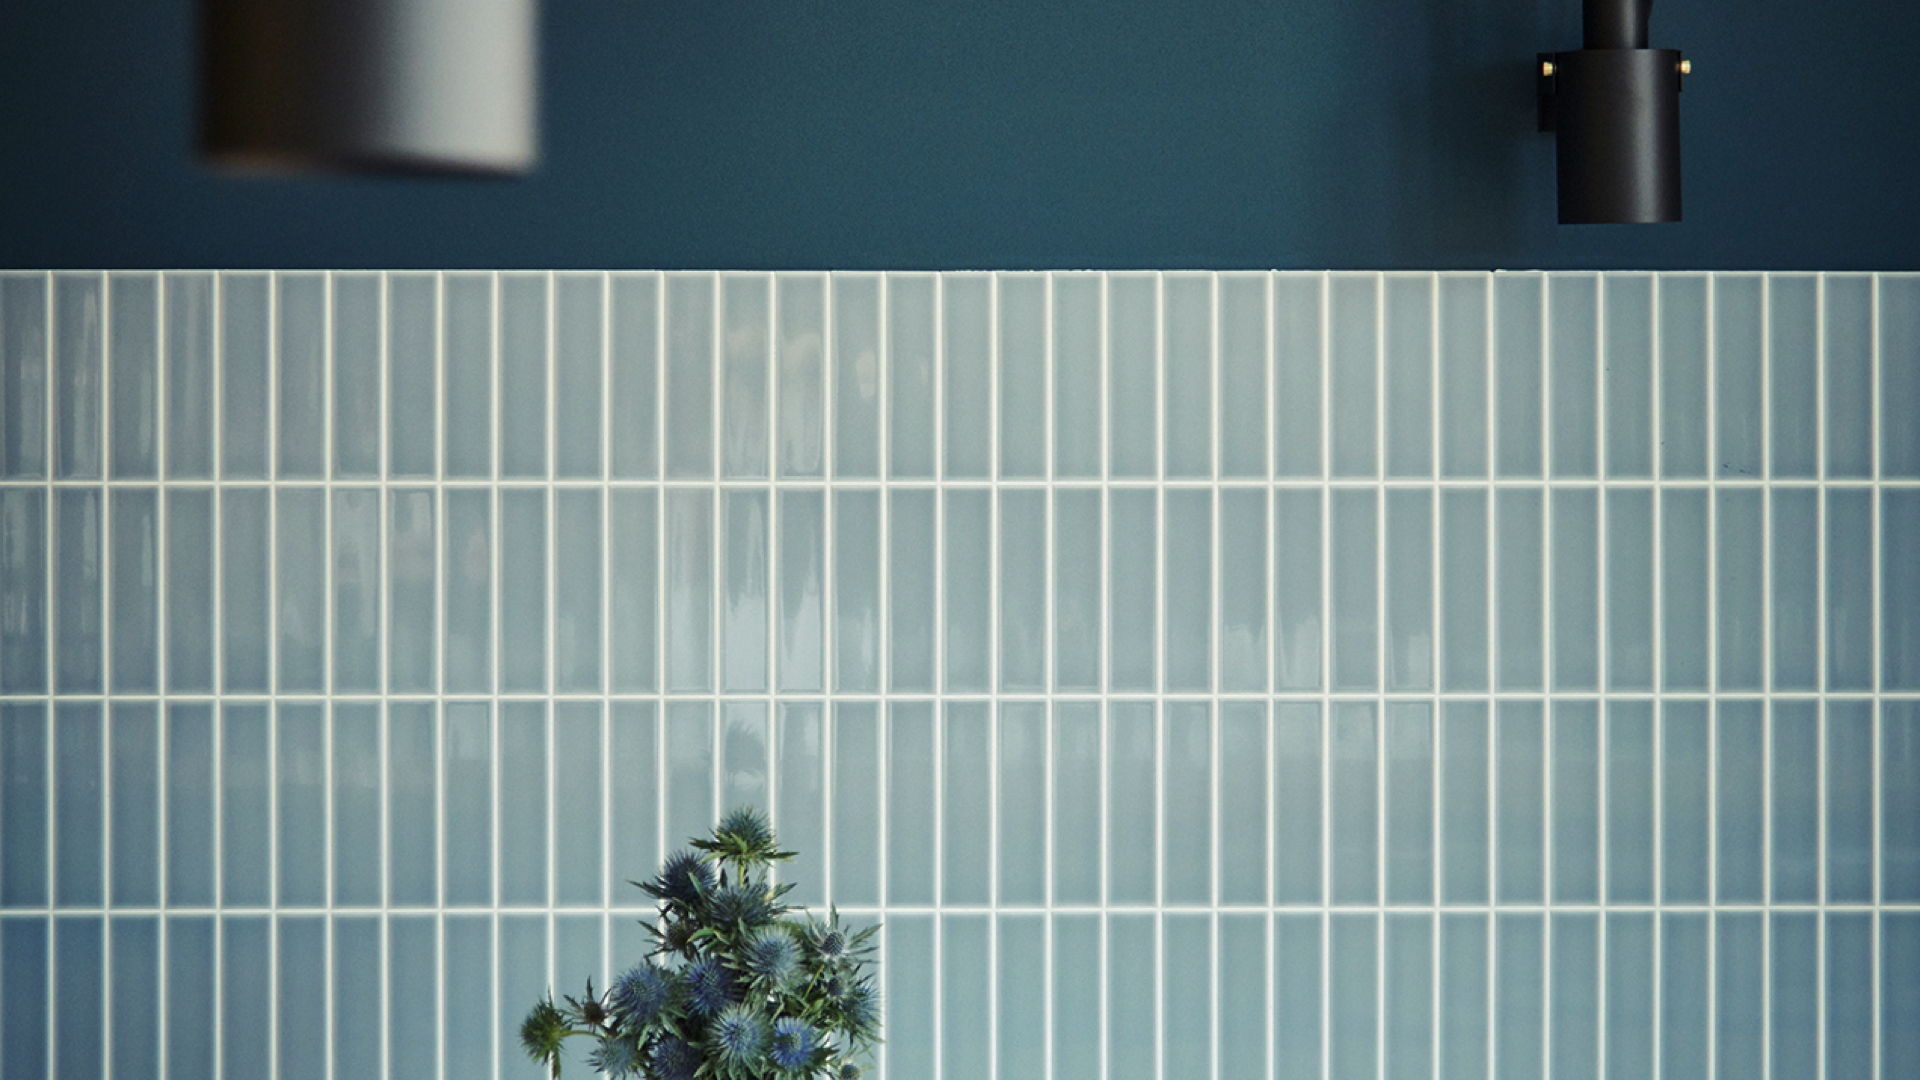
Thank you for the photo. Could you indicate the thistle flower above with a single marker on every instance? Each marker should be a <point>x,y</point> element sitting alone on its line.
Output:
<point>542,1032</point>
<point>743,841</point>
<point>709,986</point>
<point>745,827</point>
<point>616,1056</point>
<point>860,1010</point>
<point>641,995</point>
<point>674,1059</point>
<point>742,905</point>
<point>794,1042</point>
<point>848,1071</point>
<point>739,1035</point>
<point>830,943</point>
<point>684,879</point>
<point>772,955</point>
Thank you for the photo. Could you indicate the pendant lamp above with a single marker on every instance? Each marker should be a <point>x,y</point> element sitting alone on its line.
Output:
<point>1615,109</point>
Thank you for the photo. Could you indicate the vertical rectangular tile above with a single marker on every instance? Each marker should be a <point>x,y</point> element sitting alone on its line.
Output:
<point>246,400</point>
<point>745,755</point>
<point>467,334</point>
<point>968,589</point>
<point>1739,1047</point>
<point>24,804</point>
<point>1463,1002</point>
<point>353,369</point>
<point>1131,998</point>
<point>466,1030</point>
<point>1352,995</point>
<point>800,759</point>
<point>413,374</point>
<point>1629,330</point>
<point>79,979</point>
<point>910,320</point>
<point>245,996</point>
<point>857,563</point>
<point>1519,802</point>
<point>133,607</point>
<point>1299,808</point>
<point>1354,581</point>
<point>1186,766</point>
<point>966,810</point>
<point>1849,994</point>
<point>1187,343</point>
<point>1353,804</point>
<point>1132,588</point>
<point>1133,332</point>
<point>413,988</point>
<point>1794,803</point>
<point>1899,374</point>
<point>189,588</point>
<point>1575,991</point>
<point>1410,805</point>
<point>1576,589</point>
<point>1020,993</point>
<point>1684,577</point>
<point>1464,588</point>
<point>23,375</point>
<point>909,812</point>
<point>78,803</point>
<point>1242,350</point>
<point>1631,786</point>
<point>1793,1020</point>
<point>79,365</point>
<point>524,800</point>
<point>1187,1044</point>
<point>1685,1002</point>
<point>633,589</point>
<point>1076,811</point>
<point>1241,978</point>
<point>1793,362</point>
<point>1188,578</point>
<point>1519,997</point>
<point>246,800</point>
<point>690,357</point>
<point>1630,995</point>
<point>356,822</point>
<point>966,364</point>
<point>1299,342</point>
<point>1077,589</point>
<point>467,777</point>
<point>1899,802</point>
<point>1463,347</point>
<point>1518,370</point>
<point>302,559</point>
<point>79,573</point>
<point>579,875</point>
<point>525,357</point>
<point>857,364</point>
<point>522,960</point>
<point>1075,958</point>
<point>1685,820</point>
<point>1298,582</point>
<point>1848,329</point>
<point>745,356</point>
<point>1573,302</point>
<point>1682,303</point>
<point>1899,589</point>
<point>133,381</point>
<point>1518,619</point>
<point>911,584</point>
<point>300,786</point>
<point>1740,571</point>
<point>857,809</point>
<point>133,994</point>
<point>1849,589</point>
<point>1465,825</point>
<point>801,618</point>
<point>245,588</point>
<point>189,811</point>
<point>1299,1015</point>
<point>467,591</point>
<point>1899,1002</point>
<point>133,814</point>
<point>1244,592</point>
<point>1023,630</point>
<point>688,580</point>
<point>1409,350</point>
<point>1738,353</point>
<point>300,1021</point>
<point>633,846</point>
<point>356,589</point>
<point>412,574</point>
<point>1132,827</point>
<point>412,795</point>
<point>190,991</point>
<point>579,380</point>
<point>1077,387</point>
<point>633,375</point>
<point>1576,802</point>
<point>744,599</point>
<point>1245,763</point>
<point>1795,532</point>
<point>301,316</point>
<point>1409,590</point>
<point>1628,588</point>
<point>1353,373</point>
<point>800,301</point>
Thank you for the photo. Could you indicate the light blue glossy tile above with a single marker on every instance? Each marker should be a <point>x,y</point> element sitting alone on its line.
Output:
<point>133,608</point>
<point>413,989</point>
<point>1519,799</point>
<point>1076,996</point>
<point>1899,374</point>
<point>134,994</point>
<point>1685,1001</point>
<point>1076,819</point>
<point>1685,814</point>
<point>1737,365</point>
<point>1186,768</point>
<point>1298,582</point>
<point>1899,802</point>
<point>1023,630</point>
<point>633,375</point>
<point>910,320</point>
<point>1188,574</point>
<point>300,790</point>
<point>190,807</point>
<point>1573,333</point>
<point>1463,999</point>
<point>1684,580</point>
<point>1576,588</point>
<point>1794,802</point>
<point>1133,414</point>
<point>633,589</point>
<point>79,364</point>
<point>909,814</point>
<point>1793,361</point>
<point>1464,568</point>
<point>1793,1020</point>
<point>1354,581</point>
<point>466,1029</point>
<point>1740,622</point>
<point>356,566</point>
<point>300,374</point>
<point>412,798</point>
<point>1627,590</point>
<point>353,370</point>
<point>1740,802</point>
<point>1517,371</point>
<point>1077,589</point>
<point>246,802</point>
<point>355,803</point>
<point>523,640</point>
<point>911,584</point>
<point>1186,997</point>
<point>1576,802</point>
<point>1849,994</point>
<point>1795,532</point>
<point>523,803</point>
<point>1242,993</point>
<point>23,562</point>
<point>801,573</point>
<point>300,1021</point>
<point>1188,346</point>
<point>966,804</point>
<point>745,357</point>
<point>521,975</point>
<point>1299,965</point>
<point>191,982</point>
<point>246,995</point>
<point>467,584</point>
<point>1464,807</point>
<point>690,358</point>
<point>857,808</point>
<point>579,373</point>
<point>413,379</point>
<point>1353,804</point>
<point>744,600</point>
<point>579,874</point>
<point>1020,993</point>
<point>1899,589</point>
<point>246,343</point>
<point>79,574</point>
<point>688,574</point>
<point>412,577</point>
<point>1021,813</point>
<point>1848,327</point>
<point>633,796</point>
<point>79,979</point>
<point>745,755</point>
<point>1132,546</point>
<point>1131,998</point>
<point>1409,353</point>
<point>966,363</point>
<point>1573,1033</point>
<point>908,966</point>
<point>1244,590</point>
<point>1299,810</point>
<point>1899,1001</point>
<point>1132,827</point>
<point>1409,1018</point>
<point>1628,333</point>
<point>966,995</point>
<point>1849,589</point>
<point>1630,995</point>
<point>1244,337</point>
<point>23,804</point>
<point>1410,803</point>
<point>246,588</point>
<point>467,778</point>
<point>800,301</point>
<point>1519,997</point>
<point>189,587</point>
<point>1518,616</point>
<point>1245,763</point>
<point>525,358</point>
<point>78,769</point>
<point>133,383</point>
<point>967,586</point>
<point>1409,590</point>
<point>467,332</point>
<point>1352,995</point>
<point>1299,373</point>
<point>1078,306</point>
<point>23,375</point>
<point>800,756</point>
<point>856,375</point>
<point>1682,302</point>
<point>857,618</point>
<point>1630,787</point>
<point>1463,347</point>
<point>1740,980</point>
<point>1353,373</point>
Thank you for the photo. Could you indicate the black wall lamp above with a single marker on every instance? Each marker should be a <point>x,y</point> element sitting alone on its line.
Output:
<point>1615,107</point>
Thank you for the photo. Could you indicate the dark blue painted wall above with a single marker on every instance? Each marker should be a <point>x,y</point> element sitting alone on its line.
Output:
<point>968,133</point>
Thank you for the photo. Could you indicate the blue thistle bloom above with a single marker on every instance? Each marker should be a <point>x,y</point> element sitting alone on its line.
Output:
<point>831,944</point>
<point>849,1071</point>
<point>860,1009</point>
<point>747,827</point>
<point>709,986</point>
<point>641,995</point>
<point>741,904</point>
<point>794,1041</point>
<point>684,878</point>
<point>739,1035</point>
<point>772,955</point>
<point>616,1057</point>
<point>674,1059</point>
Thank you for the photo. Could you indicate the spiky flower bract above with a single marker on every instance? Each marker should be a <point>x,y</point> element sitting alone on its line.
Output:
<point>674,1058</point>
<point>710,986</point>
<point>740,1036</point>
<point>794,1042</point>
<point>848,1071</point>
<point>860,1012</point>
<point>773,957</point>
<point>744,843</point>
<point>542,1032</point>
<point>683,880</point>
<point>641,995</point>
<point>616,1056</point>
<point>746,907</point>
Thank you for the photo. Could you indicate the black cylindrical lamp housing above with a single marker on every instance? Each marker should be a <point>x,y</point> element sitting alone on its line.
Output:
<point>1616,110</point>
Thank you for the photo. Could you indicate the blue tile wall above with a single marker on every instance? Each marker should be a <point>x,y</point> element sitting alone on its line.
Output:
<point>1202,675</point>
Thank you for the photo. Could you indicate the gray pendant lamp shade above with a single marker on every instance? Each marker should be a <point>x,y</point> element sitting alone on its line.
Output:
<point>435,86</point>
